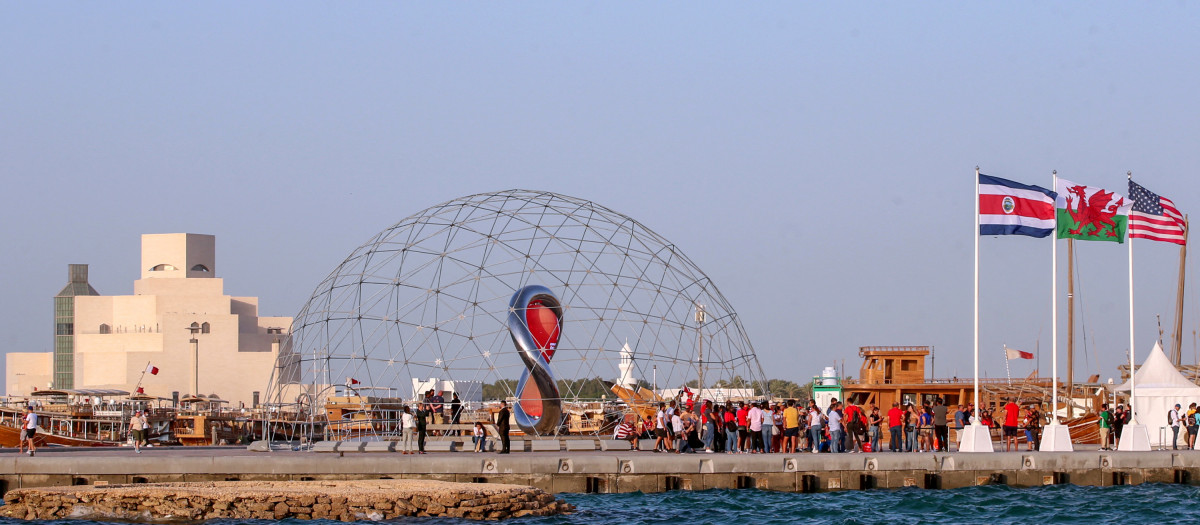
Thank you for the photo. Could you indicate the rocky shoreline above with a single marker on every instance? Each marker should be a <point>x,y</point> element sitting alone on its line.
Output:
<point>332,500</point>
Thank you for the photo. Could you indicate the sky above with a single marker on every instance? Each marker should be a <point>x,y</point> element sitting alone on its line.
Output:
<point>816,160</point>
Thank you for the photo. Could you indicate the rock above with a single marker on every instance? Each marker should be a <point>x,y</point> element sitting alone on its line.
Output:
<point>341,500</point>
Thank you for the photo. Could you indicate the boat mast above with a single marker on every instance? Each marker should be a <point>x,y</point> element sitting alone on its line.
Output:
<point>1070,328</point>
<point>1177,340</point>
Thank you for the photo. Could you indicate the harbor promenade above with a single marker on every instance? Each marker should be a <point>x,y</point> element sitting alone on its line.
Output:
<point>598,471</point>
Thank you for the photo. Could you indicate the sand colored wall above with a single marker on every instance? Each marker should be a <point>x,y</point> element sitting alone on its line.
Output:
<point>235,358</point>
<point>27,370</point>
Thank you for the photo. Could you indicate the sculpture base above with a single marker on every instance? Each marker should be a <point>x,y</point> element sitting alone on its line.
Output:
<point>1134,437</point>
<point>1056,437</point>
<point>976,438</point>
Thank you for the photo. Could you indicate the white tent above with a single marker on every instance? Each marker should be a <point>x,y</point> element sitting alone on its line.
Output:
<point>1159,387</point>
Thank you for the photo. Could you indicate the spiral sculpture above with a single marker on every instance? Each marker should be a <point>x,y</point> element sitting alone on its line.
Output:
<point>535,323</point>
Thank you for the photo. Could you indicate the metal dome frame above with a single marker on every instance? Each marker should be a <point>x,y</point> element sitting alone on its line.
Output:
<point>428,298</point>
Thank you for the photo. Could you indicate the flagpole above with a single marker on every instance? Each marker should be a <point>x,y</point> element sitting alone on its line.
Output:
<point>1054,308</point>
<point>140,378</point>
<point>1135,436</point>
<point>1132,348</point>
<point>976,437</point>
<point>976,235</point>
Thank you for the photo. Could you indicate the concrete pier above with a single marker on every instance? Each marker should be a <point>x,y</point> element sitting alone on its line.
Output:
<point>605,471</point>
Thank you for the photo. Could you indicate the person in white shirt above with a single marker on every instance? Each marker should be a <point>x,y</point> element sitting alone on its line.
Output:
<point>836,434</point>
<point>408,427</point>
<point>754,420</point>
<point>28,429</point>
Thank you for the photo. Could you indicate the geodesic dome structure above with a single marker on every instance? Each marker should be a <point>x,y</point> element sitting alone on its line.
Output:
<point>429,297</point>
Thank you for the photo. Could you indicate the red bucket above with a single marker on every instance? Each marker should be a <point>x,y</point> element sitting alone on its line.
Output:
<point>866,446</point>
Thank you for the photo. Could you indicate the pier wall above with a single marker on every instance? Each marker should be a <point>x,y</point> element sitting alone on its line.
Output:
<point>620,472</point>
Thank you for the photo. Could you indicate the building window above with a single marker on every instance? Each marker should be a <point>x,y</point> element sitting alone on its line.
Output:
<point>163,268</point>
<point>200,268</point>
<point>274,330</point>
<point>64,328</point>
<point>105,329</point>
<point>204,328</point>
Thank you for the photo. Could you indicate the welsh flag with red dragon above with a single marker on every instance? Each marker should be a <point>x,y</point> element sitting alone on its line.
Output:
<point>1089,213</point>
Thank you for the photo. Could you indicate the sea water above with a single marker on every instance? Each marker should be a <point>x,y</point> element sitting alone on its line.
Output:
<point>1148,503</point>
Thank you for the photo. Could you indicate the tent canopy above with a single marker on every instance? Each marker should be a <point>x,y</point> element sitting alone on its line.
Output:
<point>1160,387</point>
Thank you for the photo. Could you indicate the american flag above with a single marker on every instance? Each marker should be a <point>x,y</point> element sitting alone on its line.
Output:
<point>1154,217</point>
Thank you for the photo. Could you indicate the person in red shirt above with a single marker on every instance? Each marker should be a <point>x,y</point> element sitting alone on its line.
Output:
<point>895,427</point>
<point>743,427</point>
<point>1012,415</point>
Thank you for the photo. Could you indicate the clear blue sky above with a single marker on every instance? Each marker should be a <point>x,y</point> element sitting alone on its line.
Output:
<point>815,159</point>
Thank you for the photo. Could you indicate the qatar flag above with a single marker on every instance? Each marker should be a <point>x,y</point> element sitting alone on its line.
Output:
<point>1013,353</point>
<point>152,370</point>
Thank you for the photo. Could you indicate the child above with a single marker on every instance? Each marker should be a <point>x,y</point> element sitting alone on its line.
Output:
<point>479,437</point>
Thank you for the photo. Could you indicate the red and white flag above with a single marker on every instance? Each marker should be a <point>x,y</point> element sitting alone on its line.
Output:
<point>351,381</point>
<point>1155,217</point>
<point>1013,353</point>
<point>141,390</point>
<point>152,370</point>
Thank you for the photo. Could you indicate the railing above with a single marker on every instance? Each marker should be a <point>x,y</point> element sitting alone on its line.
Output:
<point>951,381</point>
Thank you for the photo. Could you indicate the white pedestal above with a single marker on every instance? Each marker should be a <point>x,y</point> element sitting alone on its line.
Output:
<point>1134,437</point>
<point>976,438</point>
<point>1056,438</point>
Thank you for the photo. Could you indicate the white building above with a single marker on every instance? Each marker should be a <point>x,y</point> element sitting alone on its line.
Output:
<point>178,320</point>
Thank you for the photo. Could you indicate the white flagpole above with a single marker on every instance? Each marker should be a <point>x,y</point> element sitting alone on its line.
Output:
<point>1055,436</point>
<point>1007,367</point>
<point>1132,348</point>
<point>976,235</point>
<point>1135,436</point>
<point>1054,308</point>
<point>976,437</point>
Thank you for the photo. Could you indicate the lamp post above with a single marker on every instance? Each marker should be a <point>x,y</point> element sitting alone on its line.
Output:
<point>194,329</point>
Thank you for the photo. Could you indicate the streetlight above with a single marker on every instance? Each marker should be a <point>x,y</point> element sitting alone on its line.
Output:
<point>195,329</point>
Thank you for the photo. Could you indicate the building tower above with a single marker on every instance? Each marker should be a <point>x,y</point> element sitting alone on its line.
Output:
<point>626,367</point>
<point>64,324</point>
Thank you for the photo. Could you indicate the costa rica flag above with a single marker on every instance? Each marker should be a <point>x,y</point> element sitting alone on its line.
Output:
<point>1012,208</point>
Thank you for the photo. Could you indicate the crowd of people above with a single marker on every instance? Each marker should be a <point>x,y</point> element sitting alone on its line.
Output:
<point>754,427</point>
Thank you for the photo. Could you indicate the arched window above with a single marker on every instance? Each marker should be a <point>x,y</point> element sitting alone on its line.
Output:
<point>204,328</point>
<point>163,268</point>
<point>105,329</point>
<point>200,268</point>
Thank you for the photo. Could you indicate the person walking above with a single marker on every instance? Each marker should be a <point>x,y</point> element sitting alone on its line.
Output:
<point>408,427</point>
<point>502,426</point>
<point>136,431</point>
